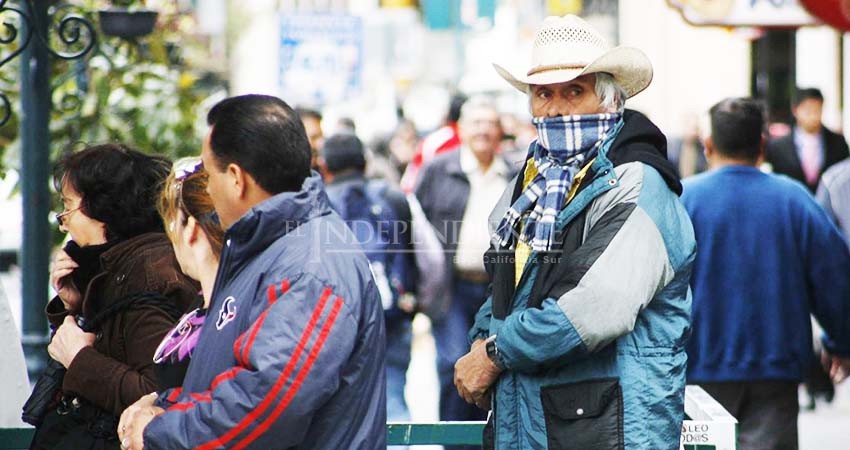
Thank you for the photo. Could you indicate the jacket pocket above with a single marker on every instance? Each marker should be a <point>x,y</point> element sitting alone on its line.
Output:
<point>587,415</point>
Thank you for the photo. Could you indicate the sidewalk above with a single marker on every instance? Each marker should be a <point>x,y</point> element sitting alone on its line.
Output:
<point>423,389</point>
<point>828,426</point>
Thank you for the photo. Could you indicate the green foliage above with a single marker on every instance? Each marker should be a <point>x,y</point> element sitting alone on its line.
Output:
<point>141,93</point>
<point>132,99</point>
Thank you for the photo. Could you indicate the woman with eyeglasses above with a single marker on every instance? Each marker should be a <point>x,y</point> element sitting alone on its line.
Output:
<point>196,235</point>
<point>119,291</point>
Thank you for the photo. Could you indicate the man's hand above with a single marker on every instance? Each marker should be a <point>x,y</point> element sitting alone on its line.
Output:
<point>60,280</point>
<point>838,368</point>
<point>474,374</point>
<point>68,341</point>
<point>134,419</point>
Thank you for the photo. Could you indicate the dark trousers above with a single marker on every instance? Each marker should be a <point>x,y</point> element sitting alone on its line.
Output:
<point>766,412</point>
<point>450,338</point>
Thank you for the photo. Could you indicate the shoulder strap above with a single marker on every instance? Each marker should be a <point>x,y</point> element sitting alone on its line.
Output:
<point>132,301</point>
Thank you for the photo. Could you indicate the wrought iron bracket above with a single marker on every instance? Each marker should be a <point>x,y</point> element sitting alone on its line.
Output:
<point>73,31</point>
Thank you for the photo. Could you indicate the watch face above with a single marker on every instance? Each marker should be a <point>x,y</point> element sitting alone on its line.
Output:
<point>491,349</point>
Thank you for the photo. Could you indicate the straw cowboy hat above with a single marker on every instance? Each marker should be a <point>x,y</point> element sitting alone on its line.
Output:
<point>568,47</point>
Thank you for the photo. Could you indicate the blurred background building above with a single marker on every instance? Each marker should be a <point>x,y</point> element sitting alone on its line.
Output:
<point>379,62</point>
<point>369,59</point>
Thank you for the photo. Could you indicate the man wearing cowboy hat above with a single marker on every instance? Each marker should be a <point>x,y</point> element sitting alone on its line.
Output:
<point>581,343</point>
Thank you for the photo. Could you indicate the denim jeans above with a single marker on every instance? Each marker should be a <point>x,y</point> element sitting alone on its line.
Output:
<point>450,337</point>
<point>398,360</point>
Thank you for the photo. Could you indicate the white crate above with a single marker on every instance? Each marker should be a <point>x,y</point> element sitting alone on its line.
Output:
<point>709,425</point>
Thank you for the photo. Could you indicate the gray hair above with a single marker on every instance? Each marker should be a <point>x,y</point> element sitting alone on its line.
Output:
<point>477,102</point>
<point>612,96</point>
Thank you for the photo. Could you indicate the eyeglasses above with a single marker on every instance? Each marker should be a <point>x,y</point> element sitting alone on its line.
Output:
<point>61,216</point>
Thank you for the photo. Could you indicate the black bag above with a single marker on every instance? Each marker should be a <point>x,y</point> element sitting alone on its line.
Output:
<point>63,420</point>
<point>45,395</point>
<point>47,391</point>
<point>76,425</point>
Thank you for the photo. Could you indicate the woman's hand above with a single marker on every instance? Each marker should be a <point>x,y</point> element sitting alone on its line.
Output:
<point>68,341</point>
<point>134,419</point>
<point>60,280</point>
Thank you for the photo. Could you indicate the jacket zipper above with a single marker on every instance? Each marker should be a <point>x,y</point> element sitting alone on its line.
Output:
<point>222,269</point>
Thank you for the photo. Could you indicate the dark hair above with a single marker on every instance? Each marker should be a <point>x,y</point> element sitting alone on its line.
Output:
<point>347,123</point>
<point>262,135</point>
<point>119,186</point>
<point>455,104</point>
<point>806,94</point>
<point>304,113</point>
<point>737,125</point>
<point>342,152</point>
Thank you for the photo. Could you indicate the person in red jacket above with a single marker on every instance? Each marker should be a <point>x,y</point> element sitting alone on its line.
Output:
<point>439,141</point>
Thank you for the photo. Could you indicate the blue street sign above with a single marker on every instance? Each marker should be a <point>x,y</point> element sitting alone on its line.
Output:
<point>321,58</point>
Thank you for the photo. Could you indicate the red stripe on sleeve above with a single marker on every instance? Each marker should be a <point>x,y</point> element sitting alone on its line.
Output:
<point>237,345</point>
<point>299,379</point>
<point>271,294</point>
<point>246,350</point>
<point>201,396</point>
<point>281,381</point>
<point>224,376</point>
<point>174,395</point>
<point>185,406</point>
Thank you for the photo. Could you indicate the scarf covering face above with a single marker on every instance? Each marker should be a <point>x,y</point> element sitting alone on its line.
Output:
<point>88,261</point>
<point>563,145</point>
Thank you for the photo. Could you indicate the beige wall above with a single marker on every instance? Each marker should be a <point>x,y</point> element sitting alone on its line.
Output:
<point>695,67</point>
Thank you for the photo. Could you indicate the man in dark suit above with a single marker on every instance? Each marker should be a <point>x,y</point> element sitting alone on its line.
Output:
<point>810,148</point>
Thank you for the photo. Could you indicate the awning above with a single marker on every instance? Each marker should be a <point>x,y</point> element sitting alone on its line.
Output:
<point>746,13</point>
<point>835,13</point>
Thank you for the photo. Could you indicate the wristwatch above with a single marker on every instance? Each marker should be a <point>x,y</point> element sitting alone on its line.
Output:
<point>493,352</point>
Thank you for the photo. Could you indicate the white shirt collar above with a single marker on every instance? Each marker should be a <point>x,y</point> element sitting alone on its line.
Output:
<point>469,163</point>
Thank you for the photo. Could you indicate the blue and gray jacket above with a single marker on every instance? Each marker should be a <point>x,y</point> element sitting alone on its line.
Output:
<point>593,335</point>
<point>291,354</point>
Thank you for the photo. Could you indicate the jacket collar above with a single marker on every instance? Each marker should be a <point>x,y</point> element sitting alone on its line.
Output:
<point>453,166</point>
<point>121,252</point>
<point>274,217</point>
<point>469,163</point>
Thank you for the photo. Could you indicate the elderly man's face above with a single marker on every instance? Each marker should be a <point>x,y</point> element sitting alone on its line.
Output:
<point>480,129</point>
<point>574,97</point>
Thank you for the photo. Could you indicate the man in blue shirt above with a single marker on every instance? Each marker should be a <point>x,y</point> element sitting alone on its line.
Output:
<point>768,257</point>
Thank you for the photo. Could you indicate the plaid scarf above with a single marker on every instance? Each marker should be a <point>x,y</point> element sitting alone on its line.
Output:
<point>563,145</point>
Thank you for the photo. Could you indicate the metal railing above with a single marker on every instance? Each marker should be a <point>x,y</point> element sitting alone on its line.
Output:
<point>708,427</point>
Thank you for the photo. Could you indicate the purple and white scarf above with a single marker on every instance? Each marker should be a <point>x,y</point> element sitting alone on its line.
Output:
<point>180,343</point>
<point>562,146</point>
